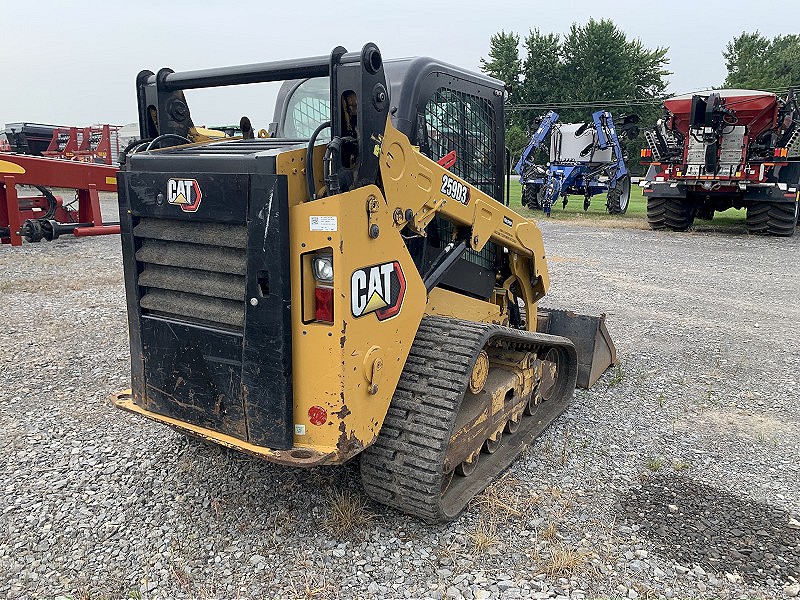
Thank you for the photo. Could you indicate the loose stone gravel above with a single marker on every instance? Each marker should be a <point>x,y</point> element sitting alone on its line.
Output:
<point>676,476</point>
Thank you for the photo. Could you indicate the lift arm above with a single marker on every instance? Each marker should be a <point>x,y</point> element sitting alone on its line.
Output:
<point>420,189</point>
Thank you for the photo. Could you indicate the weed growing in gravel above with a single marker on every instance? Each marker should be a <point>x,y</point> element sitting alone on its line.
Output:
<point>550,532</point>
<point>485,535</point>
<point>346,512</point>
<point>505,498</point>
<point>315,586</point>
<point>679,465</point>
<point>654,463</point>
<point>566,562</point>
<point>616,377</point>
<point>661,399</point>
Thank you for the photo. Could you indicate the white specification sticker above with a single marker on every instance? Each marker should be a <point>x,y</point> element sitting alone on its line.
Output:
<point>299,429</point>
<point>323,223</point>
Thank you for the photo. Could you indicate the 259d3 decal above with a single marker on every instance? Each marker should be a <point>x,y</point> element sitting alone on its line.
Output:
<point>377,289</point>
<point>455,189</point>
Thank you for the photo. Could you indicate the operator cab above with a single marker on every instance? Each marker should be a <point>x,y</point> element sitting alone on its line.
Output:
<point>440,108</point>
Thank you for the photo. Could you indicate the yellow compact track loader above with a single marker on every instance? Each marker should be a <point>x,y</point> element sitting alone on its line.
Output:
<point>349,286</point>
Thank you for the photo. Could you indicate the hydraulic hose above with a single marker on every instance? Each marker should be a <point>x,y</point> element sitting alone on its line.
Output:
<point>312,195</point>
<point>331,174</point>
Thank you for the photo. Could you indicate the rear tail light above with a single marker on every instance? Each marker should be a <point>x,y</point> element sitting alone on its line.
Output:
<point>323,304</point>
<point>780,152</point>
<point>322,268</point>
<point>646,153</point>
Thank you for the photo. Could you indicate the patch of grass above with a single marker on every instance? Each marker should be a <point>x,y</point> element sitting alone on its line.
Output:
<point>616,376</point>
<point>346,512</point>
<point>550,532</point>
<point>661,399</point>
<point>566,562</point>
<point>503,499</point>
<point>485,535</point>
<point>635,216</point>
<point>654,463</point>
<point>679,465</point>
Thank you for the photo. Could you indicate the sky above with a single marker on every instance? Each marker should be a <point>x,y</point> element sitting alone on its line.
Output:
<point>75,63</point>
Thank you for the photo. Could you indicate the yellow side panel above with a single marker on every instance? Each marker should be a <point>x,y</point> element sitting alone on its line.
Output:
<point>293,164</point>
<point>445,303</point>
<point>350,368</point>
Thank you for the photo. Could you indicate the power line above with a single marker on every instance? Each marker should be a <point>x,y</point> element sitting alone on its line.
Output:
<point>619,102</point>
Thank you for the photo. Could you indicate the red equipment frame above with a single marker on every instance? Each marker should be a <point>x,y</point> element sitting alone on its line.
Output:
<point>98,144</point>
<point>88,144</point>
<point>63,144</point>
<point>86,178</point>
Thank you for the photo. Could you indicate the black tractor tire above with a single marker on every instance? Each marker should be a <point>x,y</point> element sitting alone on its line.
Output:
<point>676,214</point>
<point>530,196</point>
<point>772,218</point>
<point>619,197</point>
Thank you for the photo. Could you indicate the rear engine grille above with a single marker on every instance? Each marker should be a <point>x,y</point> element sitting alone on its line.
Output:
<point>192,271</point>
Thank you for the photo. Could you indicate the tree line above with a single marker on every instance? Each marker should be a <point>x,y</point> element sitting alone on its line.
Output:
<point>596,66</point>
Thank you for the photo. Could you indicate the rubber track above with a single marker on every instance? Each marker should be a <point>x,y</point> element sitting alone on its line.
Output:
<point>669,213</point>
<point>404,467</point>
<point>772,218</point>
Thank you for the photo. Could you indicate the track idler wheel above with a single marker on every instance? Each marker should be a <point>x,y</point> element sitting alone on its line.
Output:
<point>480,372</point>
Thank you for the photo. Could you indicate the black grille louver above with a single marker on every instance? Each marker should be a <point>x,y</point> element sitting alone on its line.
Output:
<point>193,271</point>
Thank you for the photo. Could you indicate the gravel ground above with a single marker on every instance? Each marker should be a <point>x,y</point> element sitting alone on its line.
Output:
<point>676,476</point>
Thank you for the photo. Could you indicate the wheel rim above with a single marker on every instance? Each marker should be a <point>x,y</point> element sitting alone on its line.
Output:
<point>533,402</point>
<point>625,195</point>
<point>480,372</point>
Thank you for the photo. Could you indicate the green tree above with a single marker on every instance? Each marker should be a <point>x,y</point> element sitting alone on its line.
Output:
<point>504,63</point>
<point>757,62</point>
<point>593,64</point>
<point>601,64</point>
<point>541,69</point>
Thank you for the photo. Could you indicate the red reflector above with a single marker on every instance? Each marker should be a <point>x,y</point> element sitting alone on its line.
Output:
<point>317,415</point>
<point>323,304</point>
<point>777,152</point>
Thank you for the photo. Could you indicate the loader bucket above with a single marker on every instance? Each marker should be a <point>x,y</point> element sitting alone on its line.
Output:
<point>596,351</point>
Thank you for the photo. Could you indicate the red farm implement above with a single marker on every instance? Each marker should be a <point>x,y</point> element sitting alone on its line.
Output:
<point>96,144</point>
<point>45,217</point>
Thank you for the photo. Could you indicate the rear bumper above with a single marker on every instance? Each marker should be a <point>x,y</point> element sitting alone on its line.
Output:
<point>295,457</point>
<point>769,192</point>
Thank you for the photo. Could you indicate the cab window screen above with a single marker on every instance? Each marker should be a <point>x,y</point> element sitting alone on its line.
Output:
<point>308,107</point>
<point>455,120</point>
